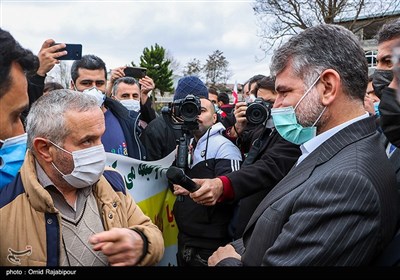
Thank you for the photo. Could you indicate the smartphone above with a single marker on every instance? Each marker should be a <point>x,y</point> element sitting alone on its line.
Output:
<point>135,72</point>
<point>74,52</point>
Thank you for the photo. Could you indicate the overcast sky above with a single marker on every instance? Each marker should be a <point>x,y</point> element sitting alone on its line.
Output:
<point>118,31</point>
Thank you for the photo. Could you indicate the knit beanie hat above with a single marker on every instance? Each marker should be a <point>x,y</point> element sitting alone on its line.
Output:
<point>190,85</point>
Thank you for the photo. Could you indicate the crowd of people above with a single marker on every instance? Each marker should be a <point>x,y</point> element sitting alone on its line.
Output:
<point>304,171</point>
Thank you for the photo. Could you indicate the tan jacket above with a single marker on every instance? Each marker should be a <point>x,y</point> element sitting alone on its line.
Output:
<point>30,225</point>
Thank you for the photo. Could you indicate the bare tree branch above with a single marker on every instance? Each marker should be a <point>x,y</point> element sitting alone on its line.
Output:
<point>278,20</point>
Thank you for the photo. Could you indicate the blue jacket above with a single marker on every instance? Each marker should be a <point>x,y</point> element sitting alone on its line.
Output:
<point>129,121</point>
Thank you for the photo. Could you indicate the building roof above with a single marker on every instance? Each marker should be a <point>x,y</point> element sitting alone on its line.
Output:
<point>369,16</point>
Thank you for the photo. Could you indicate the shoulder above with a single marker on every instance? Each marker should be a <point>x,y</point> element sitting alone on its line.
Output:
<point>9,192</point>
<point>157,128</point>
<point>224,148</point>
<point>115,179</point>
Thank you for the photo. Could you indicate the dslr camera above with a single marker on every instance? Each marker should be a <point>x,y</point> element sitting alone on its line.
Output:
<point>182,114</point>
<point>186,109</point>
<point>258,111</point>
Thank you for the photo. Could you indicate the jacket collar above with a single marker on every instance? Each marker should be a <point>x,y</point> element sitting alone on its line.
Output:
<point>300,173</point>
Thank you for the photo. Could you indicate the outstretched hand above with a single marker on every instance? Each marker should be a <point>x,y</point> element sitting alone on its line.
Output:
<point>122,246</point>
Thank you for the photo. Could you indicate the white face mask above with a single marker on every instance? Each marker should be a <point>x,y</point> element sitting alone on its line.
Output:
<point>89,165</point>
<point>98,94</point>
<point>131,104</point>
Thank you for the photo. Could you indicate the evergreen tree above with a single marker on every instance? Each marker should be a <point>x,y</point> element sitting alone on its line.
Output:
<point>157,65</point>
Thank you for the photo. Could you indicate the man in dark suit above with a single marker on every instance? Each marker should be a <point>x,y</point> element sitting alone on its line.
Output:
<point>338,204</point>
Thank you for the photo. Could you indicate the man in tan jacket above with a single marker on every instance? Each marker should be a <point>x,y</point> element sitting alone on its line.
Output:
<point>65,208</point>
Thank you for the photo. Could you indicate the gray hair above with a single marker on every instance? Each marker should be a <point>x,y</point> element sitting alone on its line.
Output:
<point>389,31</point>
<point>323,47</point>
<point>46,116</point>
<point>125,80</point>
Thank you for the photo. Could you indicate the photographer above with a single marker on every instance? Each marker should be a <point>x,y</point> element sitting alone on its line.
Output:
<point>245,131</point>
<point>160,137</point>
<point>202,229</point>
<point>269,159</point>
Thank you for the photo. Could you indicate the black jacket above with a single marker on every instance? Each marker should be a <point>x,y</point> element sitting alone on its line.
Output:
<point>35,90</point>
<point>268,161</point>
<point>159,138</point>
<point>147,113</point>
<point>389,108</point>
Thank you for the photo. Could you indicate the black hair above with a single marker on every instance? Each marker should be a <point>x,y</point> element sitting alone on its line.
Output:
<point>90,62</point>
<point>11,51</point>
<point>223,97</point>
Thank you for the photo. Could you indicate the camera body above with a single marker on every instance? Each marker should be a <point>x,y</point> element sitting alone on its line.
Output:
<point>187,108</point>
<point>258,111</point>
<point>182,113</point>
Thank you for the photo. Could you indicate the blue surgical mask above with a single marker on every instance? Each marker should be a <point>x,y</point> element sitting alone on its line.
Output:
<point>286,123</point>
<point>376,109</point>
<point>12,154</point>
<point>98,94</point>
<point>217,109</point>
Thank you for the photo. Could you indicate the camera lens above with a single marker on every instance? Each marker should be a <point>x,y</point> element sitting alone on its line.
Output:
<point>257,112</point>
<point>189,111</point>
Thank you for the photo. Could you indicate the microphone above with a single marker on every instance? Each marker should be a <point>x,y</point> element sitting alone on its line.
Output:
<point>176,176</point>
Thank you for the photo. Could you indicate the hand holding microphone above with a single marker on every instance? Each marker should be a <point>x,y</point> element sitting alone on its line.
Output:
<point>176,176</point>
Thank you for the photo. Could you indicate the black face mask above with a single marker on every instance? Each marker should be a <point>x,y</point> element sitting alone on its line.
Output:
<point>380,80</point>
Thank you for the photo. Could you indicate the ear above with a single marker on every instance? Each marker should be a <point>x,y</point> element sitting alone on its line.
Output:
<point>215,118</point>
<point>42,149</point>
<point>331,82</point>
<point>71,85</point>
